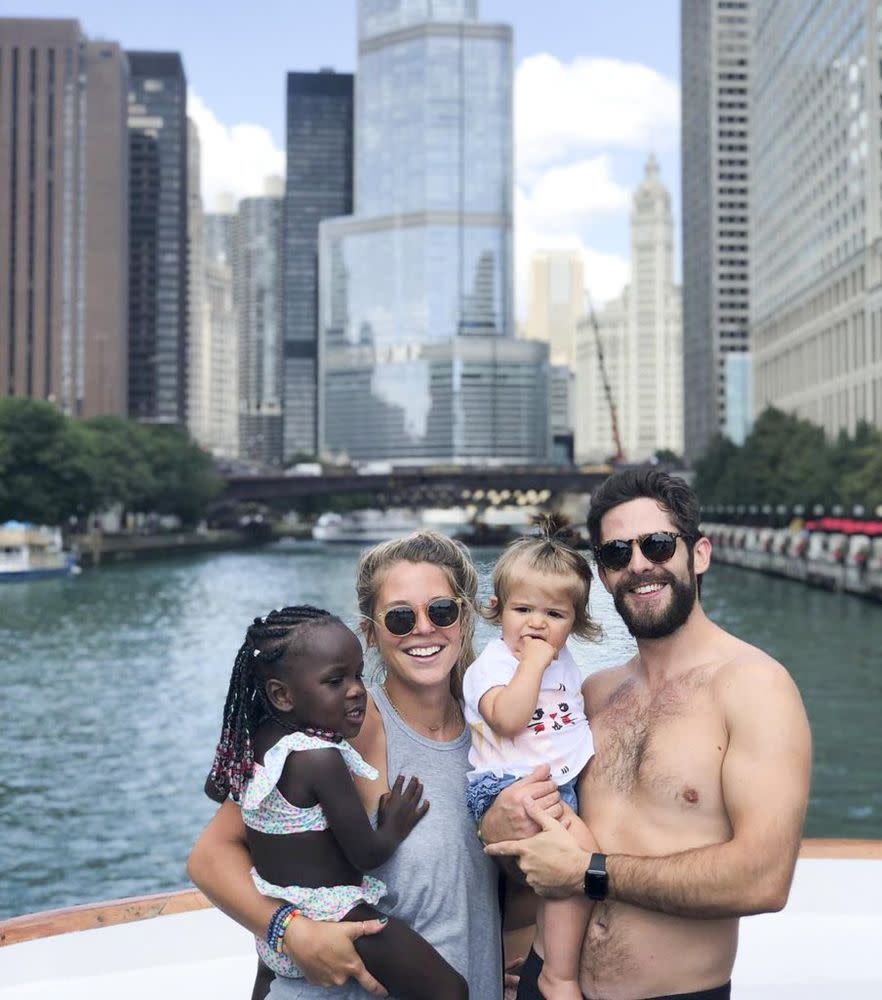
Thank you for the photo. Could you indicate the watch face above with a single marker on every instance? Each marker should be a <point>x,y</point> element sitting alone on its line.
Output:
<point>596,880</point>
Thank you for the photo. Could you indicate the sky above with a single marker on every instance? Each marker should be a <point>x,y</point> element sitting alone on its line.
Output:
<point>596,89</point>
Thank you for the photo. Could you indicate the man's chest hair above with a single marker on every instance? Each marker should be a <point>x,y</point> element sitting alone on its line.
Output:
<point>644,737</point>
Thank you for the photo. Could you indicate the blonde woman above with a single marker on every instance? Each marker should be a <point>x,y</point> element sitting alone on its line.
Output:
<point>417,598</point>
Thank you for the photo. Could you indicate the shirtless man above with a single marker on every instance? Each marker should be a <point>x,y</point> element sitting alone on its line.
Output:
<point>698,788</point>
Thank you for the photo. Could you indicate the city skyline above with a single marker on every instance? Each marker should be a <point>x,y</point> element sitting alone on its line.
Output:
<point>576,167</point>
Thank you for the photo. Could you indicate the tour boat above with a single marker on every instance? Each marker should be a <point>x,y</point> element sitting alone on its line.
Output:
<point>366,527</point>
<point>29,552</point>
<point>826,941</point>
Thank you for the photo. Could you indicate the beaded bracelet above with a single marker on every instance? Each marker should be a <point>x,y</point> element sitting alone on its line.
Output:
<point>279,921</point>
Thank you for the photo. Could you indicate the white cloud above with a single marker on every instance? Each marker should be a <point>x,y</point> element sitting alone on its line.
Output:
<point>564,110</point>
<point>606,274</point>
<point>571,119</point>
<point>235,159</point>
<point>572,195</point>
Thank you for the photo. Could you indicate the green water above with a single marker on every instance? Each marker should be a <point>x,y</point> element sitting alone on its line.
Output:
<point>113,684</point>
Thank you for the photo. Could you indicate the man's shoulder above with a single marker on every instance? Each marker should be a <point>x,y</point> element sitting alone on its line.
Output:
<point>746,672</point>
<point>600,684</point>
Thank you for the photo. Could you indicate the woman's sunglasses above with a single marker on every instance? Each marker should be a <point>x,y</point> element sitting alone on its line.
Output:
<point>657,546</point>
<point>442,612</point>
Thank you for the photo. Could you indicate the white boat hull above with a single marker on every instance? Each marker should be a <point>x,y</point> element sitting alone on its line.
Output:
<point>827,938</point>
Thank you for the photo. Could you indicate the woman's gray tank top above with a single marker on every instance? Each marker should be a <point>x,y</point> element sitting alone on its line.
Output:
<point>441,882</point>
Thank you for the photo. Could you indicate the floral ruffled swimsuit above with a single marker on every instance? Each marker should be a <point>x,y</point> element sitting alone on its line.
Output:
<point>264,808</point>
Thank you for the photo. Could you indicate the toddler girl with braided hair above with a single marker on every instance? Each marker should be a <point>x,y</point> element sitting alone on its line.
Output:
<point>295,699</point>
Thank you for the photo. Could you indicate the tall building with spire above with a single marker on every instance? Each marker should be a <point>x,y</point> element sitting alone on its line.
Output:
<point>417,356</point>
<point>641,340</point>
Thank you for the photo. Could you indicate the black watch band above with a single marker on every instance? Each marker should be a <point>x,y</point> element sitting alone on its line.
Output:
<point>596,879</point>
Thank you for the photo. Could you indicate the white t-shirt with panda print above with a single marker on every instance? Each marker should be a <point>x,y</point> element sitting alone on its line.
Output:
<point>558,733</point>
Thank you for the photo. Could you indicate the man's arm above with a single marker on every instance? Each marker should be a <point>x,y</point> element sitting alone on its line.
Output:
<point>765,778</point>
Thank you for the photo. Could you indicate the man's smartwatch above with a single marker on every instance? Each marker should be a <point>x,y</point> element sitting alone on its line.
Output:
<point>596,879</point>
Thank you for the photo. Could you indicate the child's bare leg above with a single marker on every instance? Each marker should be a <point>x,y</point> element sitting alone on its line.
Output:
<point>405,963</point>
<point>562,924</point>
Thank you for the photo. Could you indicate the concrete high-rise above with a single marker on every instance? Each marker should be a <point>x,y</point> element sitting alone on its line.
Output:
<point>257,293</point>
<point>417,356</point>
<point>198,338</point>
<point>641,338</point>
<point>64,224</point>
<point>318,185</point>
<point>816,209</point>
<point>158,253</point>
<point>715,47</point>
<point>222,335</point>
<point>557,302</point>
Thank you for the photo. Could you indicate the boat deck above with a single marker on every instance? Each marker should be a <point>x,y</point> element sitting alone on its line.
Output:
<point>828,936</point>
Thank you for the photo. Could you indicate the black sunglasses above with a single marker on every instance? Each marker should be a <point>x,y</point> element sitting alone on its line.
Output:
<point>442,612</point>
<point>657,546</point>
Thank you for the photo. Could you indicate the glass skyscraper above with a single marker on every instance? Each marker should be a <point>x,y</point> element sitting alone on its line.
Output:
<point>158,259</point>
<point>417,356</point>
<point>318,186</point>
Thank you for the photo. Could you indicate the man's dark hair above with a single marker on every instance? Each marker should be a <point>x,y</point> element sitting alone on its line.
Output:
<point>670,492</point>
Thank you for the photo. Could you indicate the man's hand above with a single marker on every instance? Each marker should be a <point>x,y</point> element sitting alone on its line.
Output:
<point>325,952</point>
<point>507,818</point>
<point>552,861</point>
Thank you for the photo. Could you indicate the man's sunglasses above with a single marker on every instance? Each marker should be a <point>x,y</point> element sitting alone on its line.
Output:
<point>657,546</point>
<point>442,612</point>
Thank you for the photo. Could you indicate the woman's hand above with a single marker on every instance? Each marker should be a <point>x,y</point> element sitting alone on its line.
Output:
<point>507,818</point>
<point>326,955</point>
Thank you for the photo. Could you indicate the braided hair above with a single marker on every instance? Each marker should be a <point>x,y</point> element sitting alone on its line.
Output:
<point>266,642</point>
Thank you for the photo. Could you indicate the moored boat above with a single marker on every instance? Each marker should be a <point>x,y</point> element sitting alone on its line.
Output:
<point>30,551</point>
<point>826,939</point>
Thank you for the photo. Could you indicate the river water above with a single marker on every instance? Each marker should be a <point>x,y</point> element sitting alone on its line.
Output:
<point>112,687</point>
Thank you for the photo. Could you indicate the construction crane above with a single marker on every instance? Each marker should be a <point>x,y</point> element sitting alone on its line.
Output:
<point>619,455</point>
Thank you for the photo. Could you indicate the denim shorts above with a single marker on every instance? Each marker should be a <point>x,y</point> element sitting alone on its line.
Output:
<point>481,793</point>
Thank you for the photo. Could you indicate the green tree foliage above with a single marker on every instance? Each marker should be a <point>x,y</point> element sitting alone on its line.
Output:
<point>786,460</point>
<point>53,468</point>
<point>46,464</point>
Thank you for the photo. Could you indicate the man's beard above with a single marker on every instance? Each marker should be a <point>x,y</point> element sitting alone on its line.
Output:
<point>656,623</point>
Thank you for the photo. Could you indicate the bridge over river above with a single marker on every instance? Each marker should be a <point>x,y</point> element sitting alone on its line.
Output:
<point>430,486</point>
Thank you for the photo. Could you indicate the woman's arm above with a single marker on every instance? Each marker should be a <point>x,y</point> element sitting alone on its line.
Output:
<point>220,866</point>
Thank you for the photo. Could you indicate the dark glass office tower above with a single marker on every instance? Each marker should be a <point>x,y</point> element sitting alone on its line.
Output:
<point>318,186</point>
<point>157,238</point>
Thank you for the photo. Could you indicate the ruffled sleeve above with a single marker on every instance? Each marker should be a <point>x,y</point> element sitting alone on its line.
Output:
<point>265,778</point>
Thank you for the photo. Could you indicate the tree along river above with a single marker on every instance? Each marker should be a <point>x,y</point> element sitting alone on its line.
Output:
<point>112,686</point>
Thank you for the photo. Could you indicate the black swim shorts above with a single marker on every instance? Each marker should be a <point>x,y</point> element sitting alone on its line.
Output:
<point>528,988</point>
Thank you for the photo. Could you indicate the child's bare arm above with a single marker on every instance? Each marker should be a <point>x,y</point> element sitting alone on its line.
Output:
<point>508,709</point>
<point>364,847</point>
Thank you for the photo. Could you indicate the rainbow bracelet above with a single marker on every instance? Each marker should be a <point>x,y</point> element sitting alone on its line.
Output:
<point>279,921</point>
